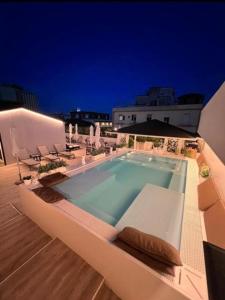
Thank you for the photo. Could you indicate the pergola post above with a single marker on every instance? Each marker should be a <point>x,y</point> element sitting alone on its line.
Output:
<point>127,139</point>
<point>180,145</point>
<point>135,142</point>
<point>165,144</point>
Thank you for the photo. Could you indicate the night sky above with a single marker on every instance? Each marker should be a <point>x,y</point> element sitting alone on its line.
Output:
<point>96,56</point>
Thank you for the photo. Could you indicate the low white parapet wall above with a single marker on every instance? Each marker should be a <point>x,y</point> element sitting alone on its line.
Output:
<point>126,276</point>
<point>105,138</point>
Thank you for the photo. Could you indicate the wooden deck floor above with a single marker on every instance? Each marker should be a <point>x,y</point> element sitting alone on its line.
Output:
<point>56,272</point>
<point>32,265</point>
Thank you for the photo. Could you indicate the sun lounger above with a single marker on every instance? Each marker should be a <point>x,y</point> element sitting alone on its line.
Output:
<point>60,150</point>
<point>46,154</point>
<point>24,157</point>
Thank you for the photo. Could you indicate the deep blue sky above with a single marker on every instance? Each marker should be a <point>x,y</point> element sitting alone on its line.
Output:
<point>96,56</point>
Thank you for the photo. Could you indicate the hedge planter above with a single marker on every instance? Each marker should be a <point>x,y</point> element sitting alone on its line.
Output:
<point>41,175</point>
<point>98,156</point>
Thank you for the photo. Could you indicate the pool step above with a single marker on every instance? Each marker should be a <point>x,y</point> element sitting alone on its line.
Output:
<point>82,183</point>
<point>56,272</point>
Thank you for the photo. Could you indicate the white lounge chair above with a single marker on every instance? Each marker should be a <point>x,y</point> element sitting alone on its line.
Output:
<point>61,151</point>
<point>46,154</point>
<point>24,157</point>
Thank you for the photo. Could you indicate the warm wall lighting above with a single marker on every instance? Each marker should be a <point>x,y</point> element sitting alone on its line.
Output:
<point>30,112</point>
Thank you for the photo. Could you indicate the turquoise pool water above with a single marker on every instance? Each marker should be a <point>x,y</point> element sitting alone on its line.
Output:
<point>107,190</point>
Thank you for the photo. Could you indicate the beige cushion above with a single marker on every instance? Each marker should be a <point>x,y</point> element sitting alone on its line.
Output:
<point>30,162</point>
<point>146,259</point>
<point>43,150</point>
<point>215,224</point>
<point>207,194</point>
<point>151,245</point>
<point>53,179</point>
<point>59,148</point>
<point>48,194</point>
<point>51,157</point>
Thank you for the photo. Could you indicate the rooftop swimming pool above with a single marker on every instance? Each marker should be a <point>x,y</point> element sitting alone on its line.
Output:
<point>107,190</point>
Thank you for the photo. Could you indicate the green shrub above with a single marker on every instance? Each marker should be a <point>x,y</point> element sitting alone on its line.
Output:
<point>121,145</point>
<point>95,152</point>
<point>51,166</point>
<point>204,171</point>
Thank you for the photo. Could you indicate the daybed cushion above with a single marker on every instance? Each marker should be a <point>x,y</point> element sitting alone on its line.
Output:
<point>51,157</point>
<point>52,179</point>
<point>48,194</point>
<point>146,259</point>
<point>214,219</point>
<point>151,245</point>
<point>30,162</point>
<point>207,194</point>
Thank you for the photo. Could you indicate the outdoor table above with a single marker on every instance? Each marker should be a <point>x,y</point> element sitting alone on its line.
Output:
<point>36,157</point>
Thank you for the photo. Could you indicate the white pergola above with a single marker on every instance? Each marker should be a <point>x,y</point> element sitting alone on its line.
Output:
<point>127,135</point>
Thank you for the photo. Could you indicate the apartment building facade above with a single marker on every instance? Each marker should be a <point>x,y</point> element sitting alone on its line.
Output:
<point>161,103</point>
<point>94,117</point>
<point>157,96</point>
<point>13,96</point>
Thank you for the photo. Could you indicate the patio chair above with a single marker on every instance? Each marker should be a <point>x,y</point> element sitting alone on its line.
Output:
<point>46,154</point>
<point>24,157</point>
<point>80,140</point>
<point>61,151</point>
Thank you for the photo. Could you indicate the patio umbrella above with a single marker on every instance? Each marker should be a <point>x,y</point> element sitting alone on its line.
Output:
<point>76,133</point>
<point>70,132</point>
<point>15,149</point>
<point>91,134</point>
<point>97,136</point>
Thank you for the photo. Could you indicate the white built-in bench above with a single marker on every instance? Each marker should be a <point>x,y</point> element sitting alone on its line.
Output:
<point>157,211</point>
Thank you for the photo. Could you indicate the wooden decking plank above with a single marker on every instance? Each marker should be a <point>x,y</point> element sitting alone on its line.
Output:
<point>20,239</point>
<point>56,273</point>
<point>7,213</point>
<point>105,293</point>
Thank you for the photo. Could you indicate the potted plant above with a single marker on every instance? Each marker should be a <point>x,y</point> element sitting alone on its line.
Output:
<point>204,170</point>
<point>27,179</point>
<point>97,153</point>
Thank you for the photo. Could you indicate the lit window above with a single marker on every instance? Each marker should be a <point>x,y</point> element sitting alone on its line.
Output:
<point>121,117</point>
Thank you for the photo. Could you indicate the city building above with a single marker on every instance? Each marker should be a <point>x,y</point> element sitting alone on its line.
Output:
<point>94,117</point>
<point>13,96</point>
<point>61,116</point>
<point>191,98</point>
<point>157,96</point>
<point>161,104</point>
